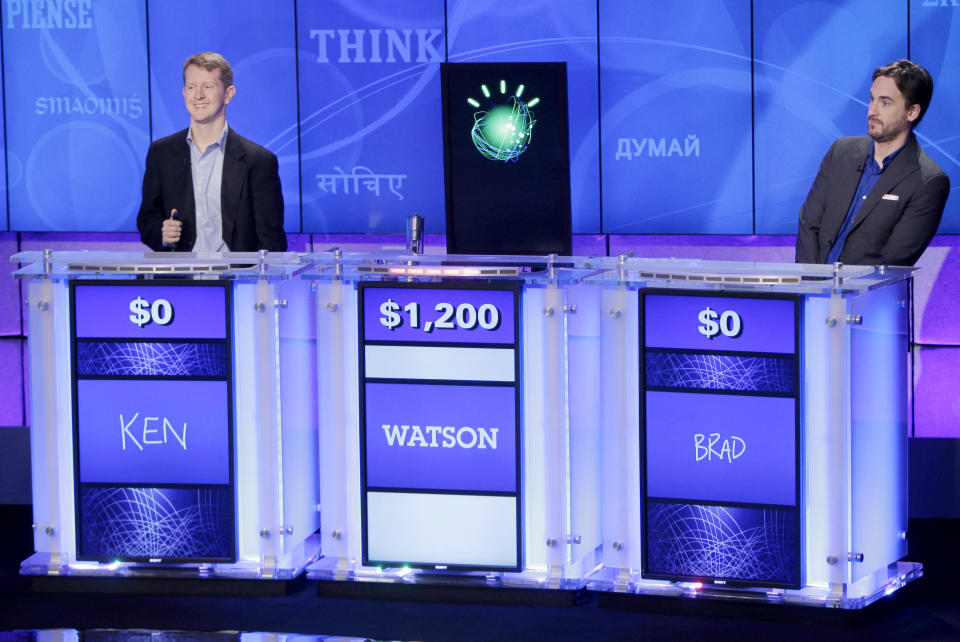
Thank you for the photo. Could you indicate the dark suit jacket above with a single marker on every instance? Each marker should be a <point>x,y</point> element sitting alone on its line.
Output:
<point>895,223</point>
<point>251,203</point>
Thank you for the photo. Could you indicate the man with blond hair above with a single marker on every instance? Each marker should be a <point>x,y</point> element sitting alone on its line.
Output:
<point>206,188</point>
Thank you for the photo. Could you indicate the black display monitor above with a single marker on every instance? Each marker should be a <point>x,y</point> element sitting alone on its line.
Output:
<point>506,158</point>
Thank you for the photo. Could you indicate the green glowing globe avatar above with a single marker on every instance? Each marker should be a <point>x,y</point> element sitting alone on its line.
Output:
<point>504,131</point>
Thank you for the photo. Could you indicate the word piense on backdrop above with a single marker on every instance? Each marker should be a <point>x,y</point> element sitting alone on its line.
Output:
<point>49,14</point>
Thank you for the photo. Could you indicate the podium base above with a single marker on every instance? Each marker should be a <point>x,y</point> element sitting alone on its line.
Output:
<point>613,592</point>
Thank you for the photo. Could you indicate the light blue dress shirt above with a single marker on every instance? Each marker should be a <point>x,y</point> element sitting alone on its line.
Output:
<point>207,169</point>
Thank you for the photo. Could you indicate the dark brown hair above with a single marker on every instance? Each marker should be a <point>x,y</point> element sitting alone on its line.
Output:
<point>913,81</point>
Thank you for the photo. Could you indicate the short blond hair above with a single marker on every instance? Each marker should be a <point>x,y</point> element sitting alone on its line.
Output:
<point>210,61</point>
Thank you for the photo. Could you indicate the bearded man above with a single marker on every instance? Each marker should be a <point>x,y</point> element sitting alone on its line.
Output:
<point>877,199</point>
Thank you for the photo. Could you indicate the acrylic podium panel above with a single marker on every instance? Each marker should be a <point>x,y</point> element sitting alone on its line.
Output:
<point>829,502</point>
<point>211,468</point>
<point>456,453</point>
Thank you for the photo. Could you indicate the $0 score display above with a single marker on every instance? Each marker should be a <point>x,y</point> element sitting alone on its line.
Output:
<point>159,312</point>
<point>729,323</point>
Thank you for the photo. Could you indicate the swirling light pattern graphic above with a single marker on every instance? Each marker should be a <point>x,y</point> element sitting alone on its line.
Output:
<point>156,523</point>
<point>722,542</point>
<point>150,359</point>
<point>720,372</point>
<point>504,131</point>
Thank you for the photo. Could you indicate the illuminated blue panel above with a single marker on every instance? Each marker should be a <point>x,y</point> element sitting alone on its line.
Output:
<point>879,448</point>
<point>460,436</point>
<point>474,447</point>
<point>157,523</point>
<point>131,443</point>
<point>76,109</point>
<point>696,541</point>
<point>814,61</point>
<point>129,432</point>
<point>706,447</point>
<point>370,116</point>
<point>4,222</point>
<point>691,371</point>
<point>544,31</point>
<point>935,44</point>
<point>257,39</point>
<point>675,93</point>
<point>143,359</point>
<point>706,517</point>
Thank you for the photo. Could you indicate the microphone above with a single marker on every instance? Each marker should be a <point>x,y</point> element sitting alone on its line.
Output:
<point>415,234</point>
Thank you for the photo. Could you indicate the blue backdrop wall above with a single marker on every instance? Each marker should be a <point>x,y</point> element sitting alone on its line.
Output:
<point>692,117</point>
<point>696,127</point>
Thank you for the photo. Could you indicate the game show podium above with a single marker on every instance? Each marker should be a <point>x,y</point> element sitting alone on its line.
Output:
<point>173,421</point>
<point>453,449</point>
<point>634,426</point>
<point>768,406</point>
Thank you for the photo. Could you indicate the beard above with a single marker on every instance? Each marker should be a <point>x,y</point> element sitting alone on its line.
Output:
<point>886,132</point>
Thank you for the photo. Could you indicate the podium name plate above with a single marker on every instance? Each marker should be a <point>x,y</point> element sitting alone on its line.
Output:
<point>440,431</point>
<point>720,438</point>
<point>153,428</point>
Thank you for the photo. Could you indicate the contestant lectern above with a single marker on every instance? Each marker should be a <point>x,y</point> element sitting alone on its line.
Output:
<point>166,426</point>
<point>768,405</point>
